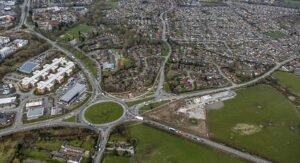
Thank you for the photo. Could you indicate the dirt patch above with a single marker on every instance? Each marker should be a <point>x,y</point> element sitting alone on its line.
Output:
<point>292,98</point>
<point>246,129</point>
<point>215,106</point>
<point>168,115</point>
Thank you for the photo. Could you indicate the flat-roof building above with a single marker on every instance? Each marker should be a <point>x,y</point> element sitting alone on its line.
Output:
<point>37,75</point>
<point>73,93</point>
<point>34,113</point>
<point>8,102</point>
<point>28,67</point>
<point>51,74</point>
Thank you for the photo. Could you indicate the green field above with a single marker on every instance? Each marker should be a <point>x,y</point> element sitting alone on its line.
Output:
<point>75,32</point>
<point>103,112</point>
<point>86,60</point>
<point>71,119</point>
<point>132,103</point>
<point>275,34</point>
<point>288,80</point>
<point>50,145</point>
<point>292,3</point>
<point>40,155</point>
<point>155,145</point>
<point>261,120</point>
<point>152,106</point>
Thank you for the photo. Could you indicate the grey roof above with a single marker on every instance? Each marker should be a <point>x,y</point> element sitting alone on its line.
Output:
<point>28,67</point>
<point>35,112</point>
<point>75,90</point>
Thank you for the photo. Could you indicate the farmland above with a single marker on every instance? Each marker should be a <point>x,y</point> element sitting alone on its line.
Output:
<point>260,120</point>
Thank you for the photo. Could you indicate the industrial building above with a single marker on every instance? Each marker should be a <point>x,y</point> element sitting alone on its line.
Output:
<point>8,102</point>
<point>4,40</point>
<point>8,47</point>
<point>6,89</point>
<point>28,67</point>
<point>51,74</point>
<point>35,113</point>
<point>74,92</point>
<point>35,109</point>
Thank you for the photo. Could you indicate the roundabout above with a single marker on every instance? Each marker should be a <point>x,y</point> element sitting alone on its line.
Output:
<point>103,112</point>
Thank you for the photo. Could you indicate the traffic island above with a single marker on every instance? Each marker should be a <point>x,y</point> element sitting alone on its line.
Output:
<point>104,112</point>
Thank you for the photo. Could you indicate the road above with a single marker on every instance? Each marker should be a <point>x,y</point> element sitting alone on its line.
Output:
<point>130,113</point>
<point>210,143</point>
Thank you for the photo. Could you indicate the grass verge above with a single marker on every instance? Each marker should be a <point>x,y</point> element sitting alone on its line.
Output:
<point>132,103</point>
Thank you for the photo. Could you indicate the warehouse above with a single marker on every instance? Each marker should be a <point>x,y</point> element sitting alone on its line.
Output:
<point>73,93</point>
<point>8,102</point>
<point>34,113</point>
<point>28,67</point>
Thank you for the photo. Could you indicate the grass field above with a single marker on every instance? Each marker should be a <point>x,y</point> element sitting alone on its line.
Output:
<point>74,32</point>
<point>154,145</point>
<point>50,145</point>
<point>86,60</point>
<point>152,106</point>
<point>275,34</point>
<point>71,119</point>
<point>292,3</point>
<point>288,80</point>
<point>40,155</point>
<point>115,159</point>
<point>260,120</point>
<point>8,148</point>
<point>132,103</point>
<point>103,112</point>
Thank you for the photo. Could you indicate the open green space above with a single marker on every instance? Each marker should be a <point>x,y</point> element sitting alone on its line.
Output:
<point>39,144</point>
<point>75,32</point>
<point>275,34</point>
<point>50,145</point>
<point>167,87</point>
<point>86,60</point>
<point>116,159</point>
<point>154,145</point>
<point>261,120</point>
<point>40,155</point>
<point>288,80</point>
<point>71,119</point>
<point>152,106</point>
<point>114,4</point>
<point>292,3</point>
<point>103,112</point>
<point>132,103</point>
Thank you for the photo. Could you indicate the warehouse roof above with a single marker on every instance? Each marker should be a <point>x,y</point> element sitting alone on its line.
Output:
<point>35,112</point>
<point>8,100</point>
<point>28,67</point>
<point>74,91</point>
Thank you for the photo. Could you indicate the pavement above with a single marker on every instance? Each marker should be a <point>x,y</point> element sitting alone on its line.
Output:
<point>130,113</point>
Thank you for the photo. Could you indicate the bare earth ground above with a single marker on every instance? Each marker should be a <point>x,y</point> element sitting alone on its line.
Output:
<point>168,114</point>
<point>215,106</point>
<point>246,129</point>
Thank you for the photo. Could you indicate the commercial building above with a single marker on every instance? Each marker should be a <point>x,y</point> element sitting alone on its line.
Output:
<point>8,102</point>
<point>58,77</point>
<point>51,74</point>
<point>28,67</point>
<point>34,113</point>
<point>6,89</point>
<point>4,40</point>
<point>74,92</point>
<point>35,109</point>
